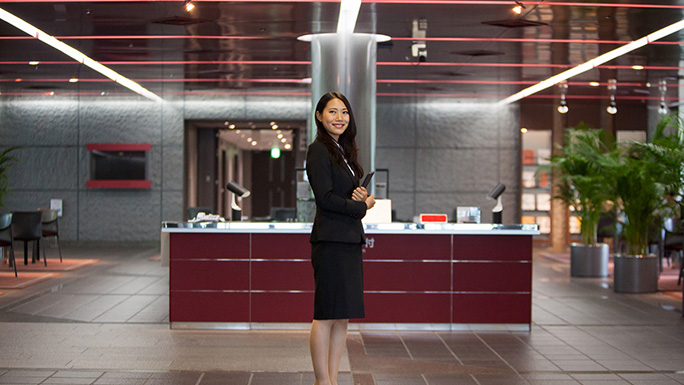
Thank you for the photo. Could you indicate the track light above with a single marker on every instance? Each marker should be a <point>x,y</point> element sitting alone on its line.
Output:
<point>518,8</point>
<point>612,86</point>
<point>189,6</point>
<point>563,107</point>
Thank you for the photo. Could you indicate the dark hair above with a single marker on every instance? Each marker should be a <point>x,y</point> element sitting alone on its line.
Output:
<point>347,140</point>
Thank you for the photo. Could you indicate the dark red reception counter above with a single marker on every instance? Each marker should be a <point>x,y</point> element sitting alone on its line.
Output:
<point>440,276</point>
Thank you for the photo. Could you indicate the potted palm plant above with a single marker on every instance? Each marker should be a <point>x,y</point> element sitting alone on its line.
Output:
<point>642,175</point>
<point>580,182</point>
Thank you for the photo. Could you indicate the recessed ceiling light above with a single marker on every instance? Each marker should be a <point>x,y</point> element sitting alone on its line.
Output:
<point>637,67</point>
<point>594,84</point>
<point>73,80</point>
<point>34,62</point>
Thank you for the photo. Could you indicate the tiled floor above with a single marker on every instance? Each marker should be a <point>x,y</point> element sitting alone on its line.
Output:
<point>107,324</point>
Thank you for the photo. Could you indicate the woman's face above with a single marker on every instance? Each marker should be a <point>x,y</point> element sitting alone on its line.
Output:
<point>335,118</point>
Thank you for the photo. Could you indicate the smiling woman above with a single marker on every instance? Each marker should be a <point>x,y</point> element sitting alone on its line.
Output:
<point>337,235</point>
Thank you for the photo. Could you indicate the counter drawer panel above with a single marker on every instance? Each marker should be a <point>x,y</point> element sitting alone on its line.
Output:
<point>208,246</point>
<point>493,276</point>
<point>281,246</point>
<point>209,275</point>
<point>407,276</point>
<point>282,275</point>
<point>279,307</point>
<point>492,308</point>
<point>414,247</point>
<point>407,308</point>
<point>493,247</point>
<point>188,306</point>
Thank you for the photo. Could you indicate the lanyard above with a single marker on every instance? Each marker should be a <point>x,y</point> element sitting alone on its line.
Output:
<point>344,157</point>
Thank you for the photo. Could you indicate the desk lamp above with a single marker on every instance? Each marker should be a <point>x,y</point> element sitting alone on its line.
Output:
<point>495,193</point>
<point>238,191</point>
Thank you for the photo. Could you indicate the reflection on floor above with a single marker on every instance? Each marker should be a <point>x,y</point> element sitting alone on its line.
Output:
<point>107,324</point>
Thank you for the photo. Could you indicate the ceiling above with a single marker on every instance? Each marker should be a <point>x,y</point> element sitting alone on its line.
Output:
<point>475,49</point>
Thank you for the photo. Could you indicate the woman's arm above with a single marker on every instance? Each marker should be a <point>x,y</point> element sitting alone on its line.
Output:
<point>319,168</point>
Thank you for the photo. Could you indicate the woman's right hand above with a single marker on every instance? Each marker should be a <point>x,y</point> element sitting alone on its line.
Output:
<point>370,201</point>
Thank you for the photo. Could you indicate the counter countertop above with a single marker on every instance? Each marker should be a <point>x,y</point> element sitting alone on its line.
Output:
<point>389,228</point>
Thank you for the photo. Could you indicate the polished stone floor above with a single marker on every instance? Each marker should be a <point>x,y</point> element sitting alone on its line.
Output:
<point>107,324</point>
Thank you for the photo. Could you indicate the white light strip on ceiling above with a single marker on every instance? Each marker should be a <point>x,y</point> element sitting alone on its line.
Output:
<point>76,55</point>
<point>349,12</point>
<point>595,62</point>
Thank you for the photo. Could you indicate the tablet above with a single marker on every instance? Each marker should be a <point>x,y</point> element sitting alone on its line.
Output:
<point>367,179</point>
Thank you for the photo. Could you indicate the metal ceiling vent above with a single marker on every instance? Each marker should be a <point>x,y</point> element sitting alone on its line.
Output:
<point>177,20</point>
<point>515,23</point>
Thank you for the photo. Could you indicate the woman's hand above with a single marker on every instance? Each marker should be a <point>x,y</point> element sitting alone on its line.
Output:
<point>370,201</point>
<point>360,194</point>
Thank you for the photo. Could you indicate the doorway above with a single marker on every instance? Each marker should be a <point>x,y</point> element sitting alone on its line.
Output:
<point>259,155</point>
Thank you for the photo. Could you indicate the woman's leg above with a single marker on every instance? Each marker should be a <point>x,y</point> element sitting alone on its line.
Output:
<point>319,344</point>
<point>338,339</point>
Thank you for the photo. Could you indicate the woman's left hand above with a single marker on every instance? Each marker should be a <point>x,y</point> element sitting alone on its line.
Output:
<point>360,194</point>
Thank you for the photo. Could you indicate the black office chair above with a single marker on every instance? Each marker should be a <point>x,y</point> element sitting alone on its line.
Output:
<point>26,227</point>
<point>50,228</point>
<point>6,238</point>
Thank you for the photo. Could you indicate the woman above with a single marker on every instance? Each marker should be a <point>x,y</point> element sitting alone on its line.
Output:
<point>337,235</point>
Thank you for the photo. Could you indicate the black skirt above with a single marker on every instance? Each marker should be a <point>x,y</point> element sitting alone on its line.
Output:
<point>338,275</point>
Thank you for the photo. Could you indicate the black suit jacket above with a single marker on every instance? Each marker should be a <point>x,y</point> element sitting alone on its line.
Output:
<point>338,217</point>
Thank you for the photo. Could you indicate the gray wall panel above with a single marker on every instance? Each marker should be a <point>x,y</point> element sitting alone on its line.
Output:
<point>131,120</point>
<point>172,124</point>
<point>443,170</point>
<point>402,165</point>
<point>270,107</point>
<point>119,215</point>
<point>46,121</point>
<point>172,206</point>
<point>172,168</point>
<point>396,125</point>
<point>211,107</point>
<point>40,168</point>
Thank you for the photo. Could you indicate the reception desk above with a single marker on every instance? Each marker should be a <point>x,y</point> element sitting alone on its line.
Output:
<point>432,276</point>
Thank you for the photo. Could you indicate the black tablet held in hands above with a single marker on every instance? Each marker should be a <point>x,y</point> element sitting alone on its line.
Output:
<point>367,179</point>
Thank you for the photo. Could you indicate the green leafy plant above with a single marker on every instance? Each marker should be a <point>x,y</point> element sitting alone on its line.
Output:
<point>6,161</point>
<point>642,176</point>
<point>580,176</point>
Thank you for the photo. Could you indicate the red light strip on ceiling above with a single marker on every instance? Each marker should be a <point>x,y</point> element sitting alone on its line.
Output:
<point>413,64</point>
<point>299,81</point>
<point>385,94</point>
<point>435,39</point>
<point>528,40</point>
